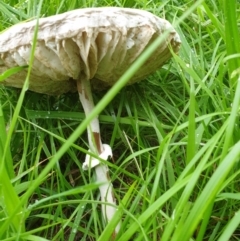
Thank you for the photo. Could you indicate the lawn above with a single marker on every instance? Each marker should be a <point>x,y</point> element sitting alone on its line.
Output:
<point>175,138</point>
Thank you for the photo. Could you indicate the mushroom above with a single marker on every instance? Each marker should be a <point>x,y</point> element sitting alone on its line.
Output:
<point>84,47</point>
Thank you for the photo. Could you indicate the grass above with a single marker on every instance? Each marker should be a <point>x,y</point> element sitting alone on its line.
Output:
<point>175,138</point>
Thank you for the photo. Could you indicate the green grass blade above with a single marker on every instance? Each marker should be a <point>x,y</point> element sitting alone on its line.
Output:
<point>3,138</point>
<point>10,72</point>
<point>232,38</point>
<point>231,227</point>
<point>209,193</point>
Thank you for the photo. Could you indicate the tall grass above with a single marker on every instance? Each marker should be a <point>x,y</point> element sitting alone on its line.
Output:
<point>175,138</point>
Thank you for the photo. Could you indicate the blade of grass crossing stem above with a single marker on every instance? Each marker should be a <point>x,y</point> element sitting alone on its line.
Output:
<point>107,232</point>
<point>209,193</point>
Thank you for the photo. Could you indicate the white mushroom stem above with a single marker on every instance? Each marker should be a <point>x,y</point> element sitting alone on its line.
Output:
<point>103,150</point>
<point>85,95</point>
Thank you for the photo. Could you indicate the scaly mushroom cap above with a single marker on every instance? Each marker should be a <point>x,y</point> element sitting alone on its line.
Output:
<point>99,43</point>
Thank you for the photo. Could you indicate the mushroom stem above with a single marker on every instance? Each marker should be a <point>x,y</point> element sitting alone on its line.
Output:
<point>85,95</point>
<point>103,150</point>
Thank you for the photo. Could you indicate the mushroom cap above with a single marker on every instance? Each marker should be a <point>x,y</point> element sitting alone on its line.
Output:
<point>98,44</point>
